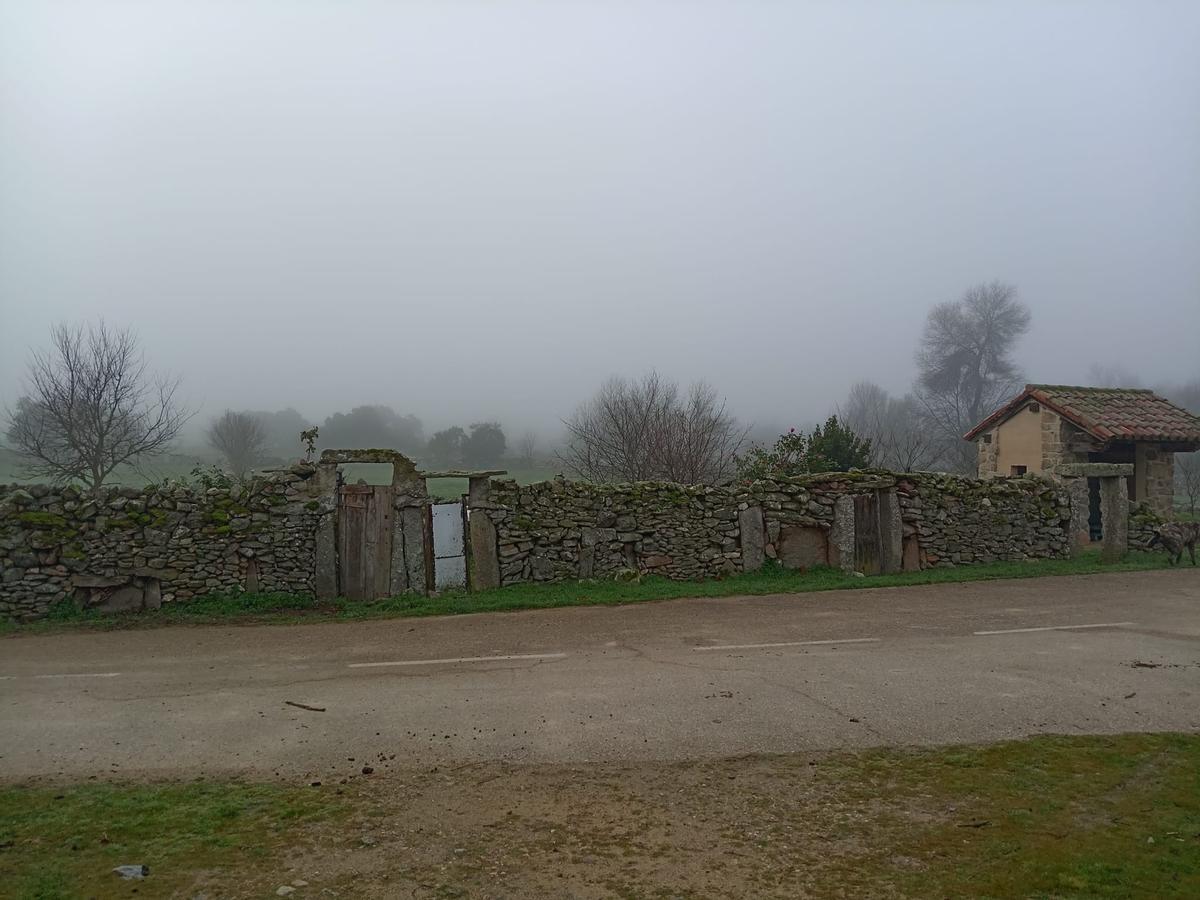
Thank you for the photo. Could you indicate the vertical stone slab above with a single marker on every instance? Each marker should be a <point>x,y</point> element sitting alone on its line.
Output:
<point>587,552</point>
<point>398,583</point>
<point>485,552</point>
<point>479,489</point>
<point>1114,519</point>
<point>1077,490</point>
<point>413,524</point>
<point>841,535</point>
<point>891,533</point>
<point>754,538</point>
<point>325,580</point>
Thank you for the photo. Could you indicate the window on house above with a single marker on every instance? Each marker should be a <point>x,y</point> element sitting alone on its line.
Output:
<point>987,438</point>
<point>1018,470</point>
<point>1035,407</point>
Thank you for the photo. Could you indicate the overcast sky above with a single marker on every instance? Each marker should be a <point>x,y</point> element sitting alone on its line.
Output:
<point>470,209</point>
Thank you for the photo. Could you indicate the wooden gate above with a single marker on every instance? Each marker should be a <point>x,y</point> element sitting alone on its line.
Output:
<point>868,535</point>
<point>364,526</point>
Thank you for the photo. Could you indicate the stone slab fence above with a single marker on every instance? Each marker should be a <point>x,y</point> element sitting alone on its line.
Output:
<point>558,530</point>
<point>130,549</point>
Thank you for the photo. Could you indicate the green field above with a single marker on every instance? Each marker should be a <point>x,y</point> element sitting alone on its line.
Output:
<point>179,465</point>
<point>170,465</point>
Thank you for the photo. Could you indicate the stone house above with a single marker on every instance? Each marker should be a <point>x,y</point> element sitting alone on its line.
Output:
<point>1049,426</point>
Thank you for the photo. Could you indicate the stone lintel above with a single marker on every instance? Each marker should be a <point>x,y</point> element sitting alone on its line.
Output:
<point>1095,470</point>
<point>373,455</point>
<point>463,473</point>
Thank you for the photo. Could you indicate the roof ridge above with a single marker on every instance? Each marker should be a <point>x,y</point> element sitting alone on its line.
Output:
<point>1084,387</point>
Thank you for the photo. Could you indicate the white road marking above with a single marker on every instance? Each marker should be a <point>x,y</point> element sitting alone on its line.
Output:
<point>457,659</point>
<point>64,675</point>
<point>790,644</point>
<point>1056,628</point>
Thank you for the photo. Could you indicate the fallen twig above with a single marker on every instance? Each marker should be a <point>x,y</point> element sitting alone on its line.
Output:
<point>305,706</point>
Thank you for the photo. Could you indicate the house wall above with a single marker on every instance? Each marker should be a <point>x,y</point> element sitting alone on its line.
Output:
<point>1018,442</point>
<point>1041,441</point>
<point>1154,477</point>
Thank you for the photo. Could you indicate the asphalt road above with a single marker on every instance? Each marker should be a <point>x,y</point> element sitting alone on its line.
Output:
<point>671,680</point>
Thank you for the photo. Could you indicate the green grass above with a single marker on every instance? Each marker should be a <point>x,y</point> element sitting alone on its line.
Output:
<point>64,842</point>
<point>284,608</point>
<point>1048,817</point>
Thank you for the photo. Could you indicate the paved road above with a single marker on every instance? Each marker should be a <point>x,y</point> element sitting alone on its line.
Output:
<point>670,680</point>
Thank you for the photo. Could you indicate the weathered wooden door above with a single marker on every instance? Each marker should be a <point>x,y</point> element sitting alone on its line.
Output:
<point>868,537</point>
<point>364,541</point>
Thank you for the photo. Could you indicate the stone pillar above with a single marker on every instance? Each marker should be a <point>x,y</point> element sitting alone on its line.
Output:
<point>413,524</point>
<point>325,581</point>
<point>398,577</point>
<point>891,533</point>
<point>754,538</point>
<point>485,552</point>
<point>1114,519</point>
<point>479,489</point>
<point>1081,538</point>
<point>587,552</point>
<point>841,535</point>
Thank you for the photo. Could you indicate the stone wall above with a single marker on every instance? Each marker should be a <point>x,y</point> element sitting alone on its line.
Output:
<point>138,548</point>
<point>961,521</point>
<point>135,548</point>
<point>563,530</point>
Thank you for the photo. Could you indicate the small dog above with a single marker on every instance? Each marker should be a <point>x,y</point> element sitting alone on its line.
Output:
<point>1174,537</point>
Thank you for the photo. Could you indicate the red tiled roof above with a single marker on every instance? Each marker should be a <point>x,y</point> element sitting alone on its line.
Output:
<point>1108,414</point>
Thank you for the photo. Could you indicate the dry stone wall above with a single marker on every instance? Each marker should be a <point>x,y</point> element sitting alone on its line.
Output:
<point>562,530</point>
<point>135,548</point>
<point>138,548</point>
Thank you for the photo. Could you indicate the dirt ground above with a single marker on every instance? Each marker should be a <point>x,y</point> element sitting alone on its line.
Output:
<point>750,827</point>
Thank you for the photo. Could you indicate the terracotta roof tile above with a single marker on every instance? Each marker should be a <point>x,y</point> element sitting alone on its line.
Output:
<point>1120,414</point>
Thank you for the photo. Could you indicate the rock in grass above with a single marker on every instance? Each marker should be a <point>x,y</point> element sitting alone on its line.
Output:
<point>132,871</point>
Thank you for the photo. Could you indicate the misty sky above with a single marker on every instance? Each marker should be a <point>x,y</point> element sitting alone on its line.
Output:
<point>470,209</point>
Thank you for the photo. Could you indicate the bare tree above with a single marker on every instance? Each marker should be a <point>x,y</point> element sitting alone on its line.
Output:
<point>965,365</point>
<point>1187,479</point>
<point>894,425</point>
<point>90,404</point>
<point>240,437</point>
<point>527,445</point>
<point>644,430</point>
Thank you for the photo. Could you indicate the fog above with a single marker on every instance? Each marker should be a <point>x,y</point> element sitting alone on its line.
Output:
<point>480,209</point>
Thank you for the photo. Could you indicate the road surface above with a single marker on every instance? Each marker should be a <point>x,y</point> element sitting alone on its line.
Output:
<point>671,680</point>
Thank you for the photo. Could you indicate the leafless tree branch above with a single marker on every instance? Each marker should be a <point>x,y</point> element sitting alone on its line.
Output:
<point>240,438</point>
<point>90,404</point>
<point>644,430</point>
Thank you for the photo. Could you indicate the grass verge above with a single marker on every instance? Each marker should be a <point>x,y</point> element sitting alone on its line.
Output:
<point>1048,817</point>
<point>64,842</point>
<point>283,608</point>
